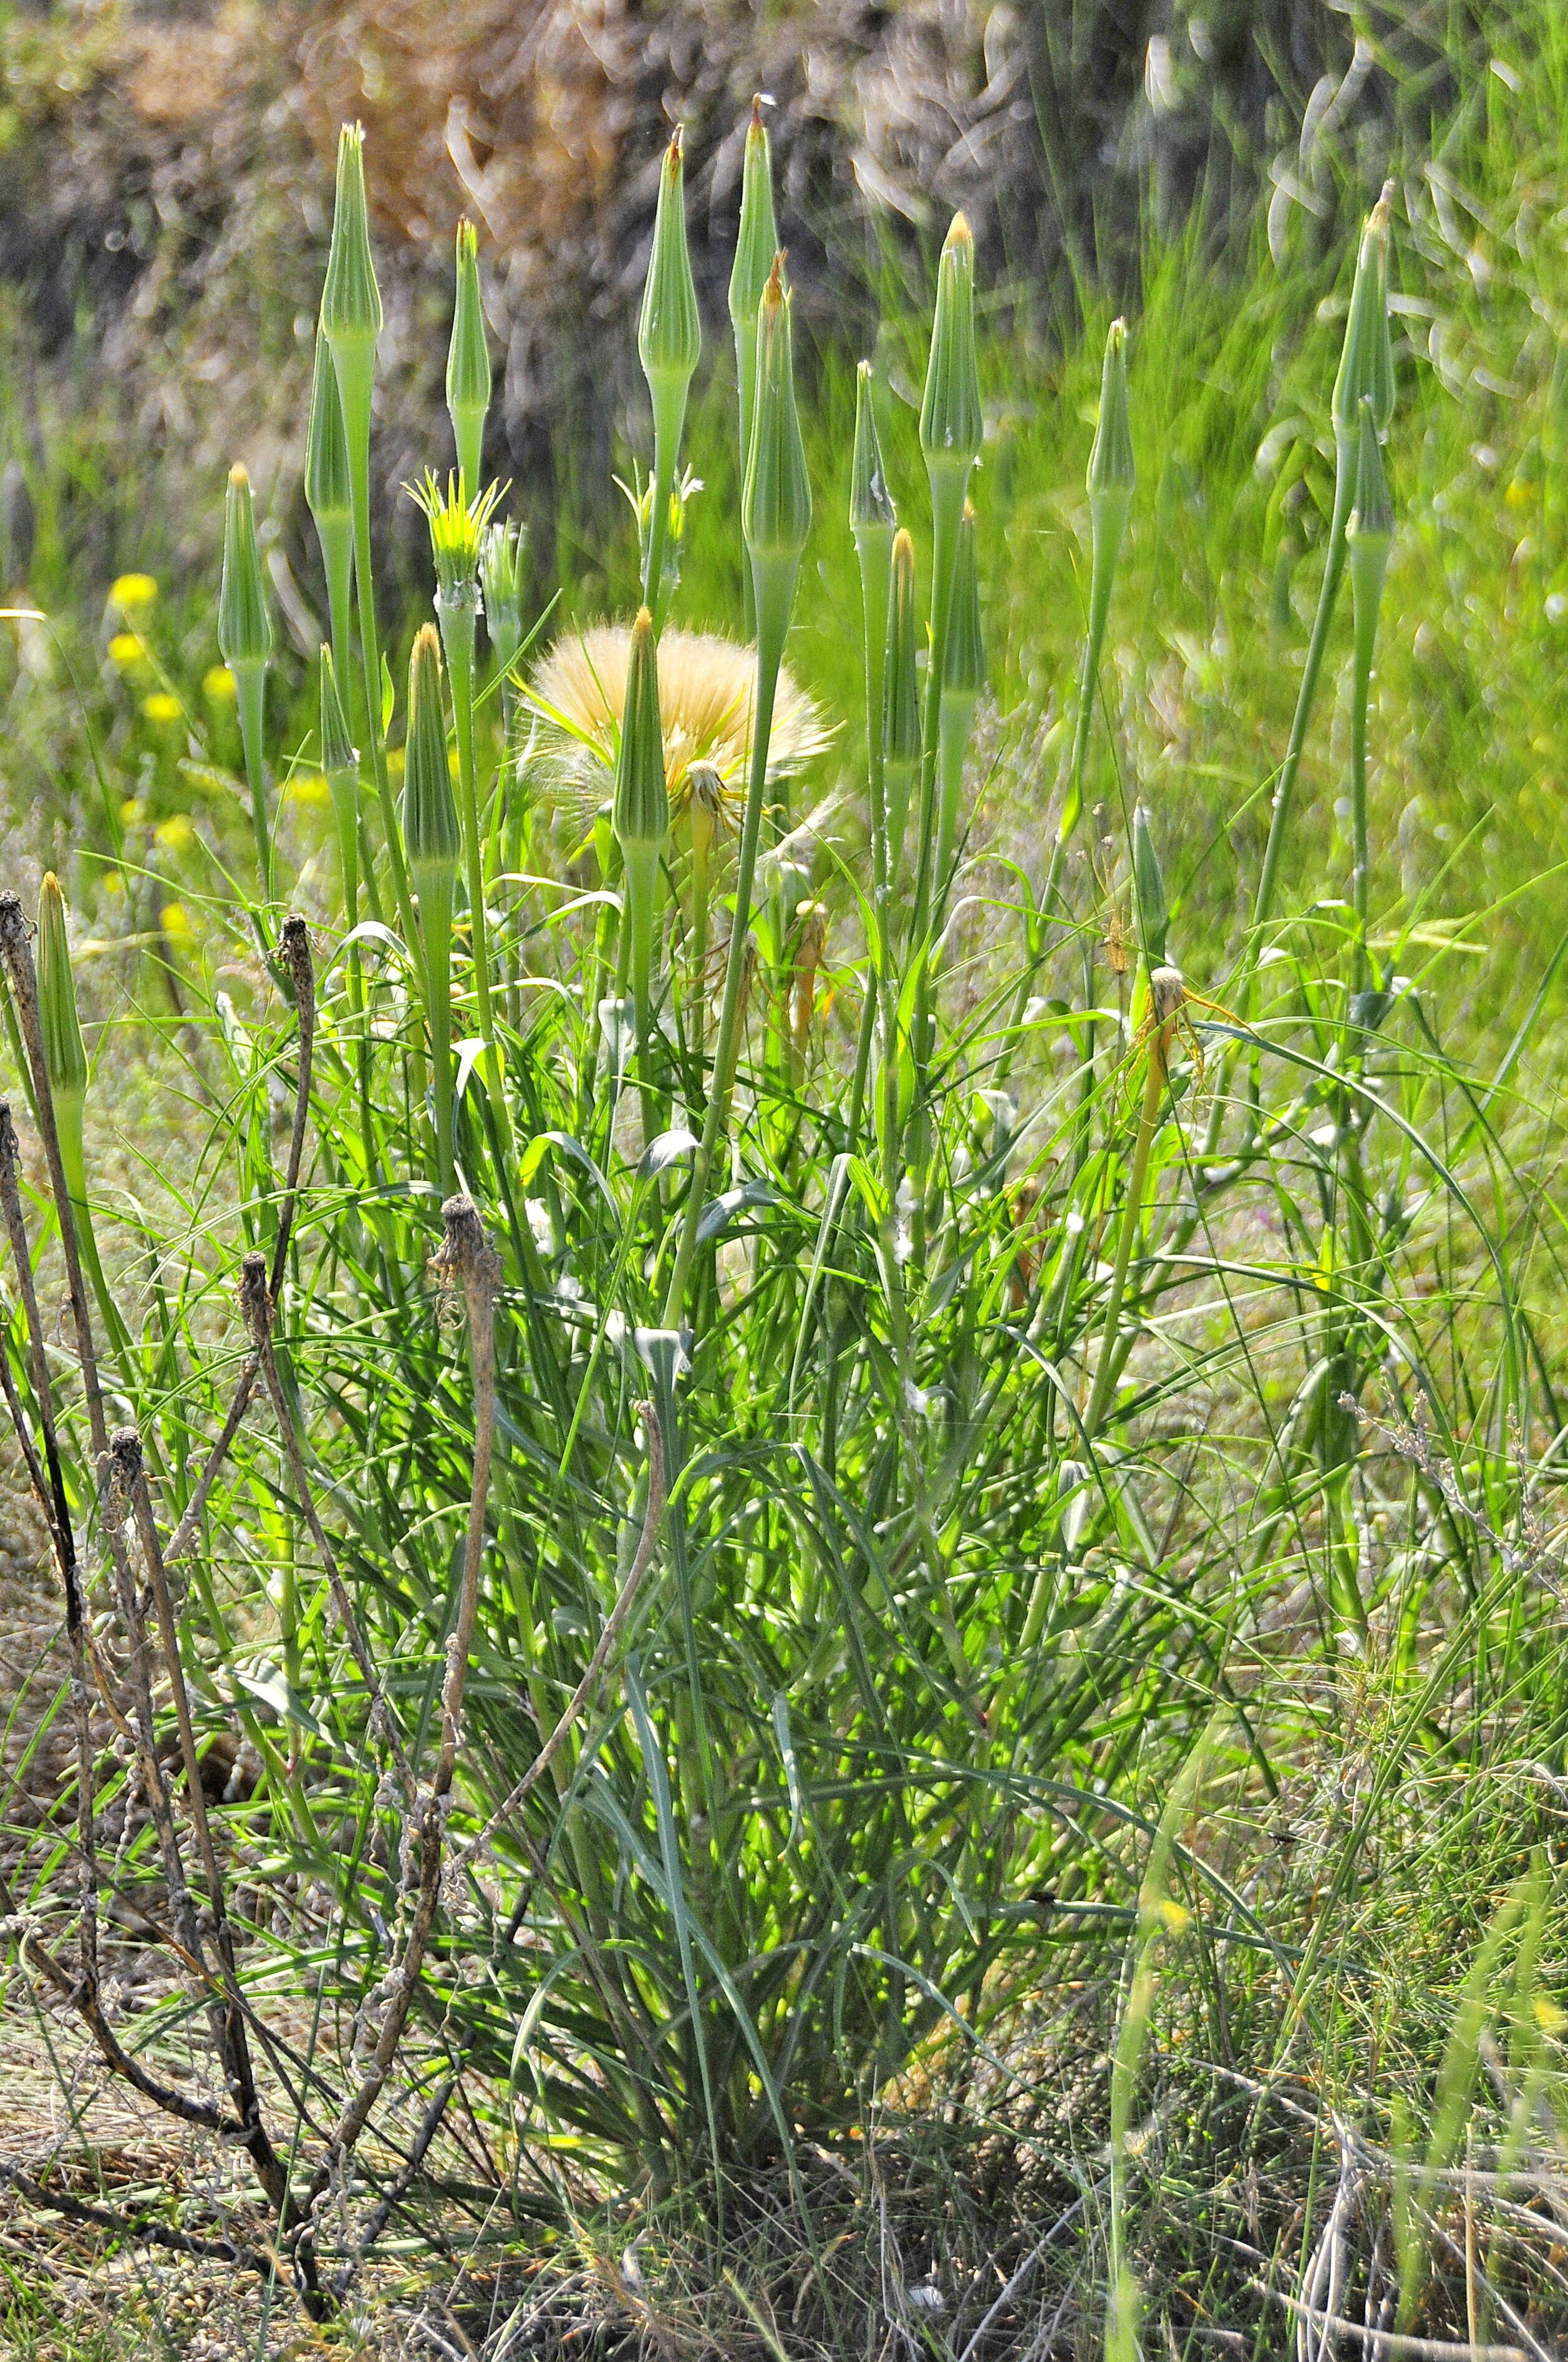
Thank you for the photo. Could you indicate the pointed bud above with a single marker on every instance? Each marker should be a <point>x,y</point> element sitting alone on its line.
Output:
<point>1111,469</point>
<point>776,514</point>
<point>951,424</point>
<point>963,674</point>
<point>669,335</point>
<point>338,749</point>
<point>430,810</point>
<point>1149,886</point>
<point>244,632</point>
<point>326,445</point>
<point>65,1053</point>
<point>642,799</point>
<point>501,573</point>
<point>758,239</point>
<point>351,301</point>
<point>1366,363</point>
<point>468,363</point>
<point>900,697</point>
<point>871,505</point>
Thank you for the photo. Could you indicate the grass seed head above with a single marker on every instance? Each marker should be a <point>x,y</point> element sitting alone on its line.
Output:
<point>430,810</point>
<point>669,335</point>
<point>951,421</point>
<point>870,503</point>
<point>65,1053</point>
<point>326,445</point>
<point>469,376</point>
<point>245,630</point>
<point>1366,362</point>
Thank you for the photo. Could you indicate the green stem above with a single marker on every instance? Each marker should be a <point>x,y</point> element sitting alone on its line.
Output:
<point>250,695</point>
<point>435,931</point>
<point>356,426</point>
<point>458,625</point>
<point>1132,1215</point>
<point>775,592</point>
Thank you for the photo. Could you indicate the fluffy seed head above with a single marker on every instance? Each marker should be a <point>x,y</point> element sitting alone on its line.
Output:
<point>705,686</point>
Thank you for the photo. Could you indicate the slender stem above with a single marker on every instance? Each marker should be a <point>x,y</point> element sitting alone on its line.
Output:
<point>773,602</point>
<point>358,428</point>
<point>251,696</point>
<point>457,635</point>
<point>1132,1215</point>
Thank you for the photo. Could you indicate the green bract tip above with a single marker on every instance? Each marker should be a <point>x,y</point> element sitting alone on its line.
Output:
<point>1148,885</point>
<point>1110,467</point>
<point>65,1053</point>
<point>501,573</point>
<point>776,514</point>
<point>758,239</point>
<point>245,633</point>
<point>326,445</point>
<point>351,301</point>
<point>1366,363</point>
<point>1372,517</point>
<point>338,749</point>
<point>871,505</point>
<point>468,362</point>
<point>669,337</point>
<point>457,528</point>
<point>963,674</point>
<point>642,812</point>
<point>901,695</point>
<point>951,424</point>
<point>430,811</point>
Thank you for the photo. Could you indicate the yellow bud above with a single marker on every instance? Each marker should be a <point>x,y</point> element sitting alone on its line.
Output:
<point>130,592</point>
<point>161,706</point>
<point>175,833</point>
<point>127,648</point>
<point>175,921</point>
<point>217,682</point>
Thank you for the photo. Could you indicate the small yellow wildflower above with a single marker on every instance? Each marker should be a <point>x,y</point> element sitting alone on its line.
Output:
<point>160,706</point>
<point>127,648</point>
<point>133,810</point>
<point>176,833</point>
<point>310,788</point>
<point>217,682</point>
<point>129,592</point>
<point>1548,2016</point>
<point>175,921</point>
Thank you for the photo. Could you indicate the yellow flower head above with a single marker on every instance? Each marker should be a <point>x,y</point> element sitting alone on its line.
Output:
<point>175,921</point>
<point>175,833</point>
<point>705,702</point>
<point>126,648</point>
<point>132,809</point>
<point>217,682</point>
<point>310,788</point>
<point>131,593</point>
<point>160,706</point>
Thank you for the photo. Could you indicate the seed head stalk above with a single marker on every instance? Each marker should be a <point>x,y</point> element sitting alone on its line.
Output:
<point>1168,995</point>
<point>873,520</point>
<point>1368,538</point>
<point>776,518</point>
<point>245,638</point>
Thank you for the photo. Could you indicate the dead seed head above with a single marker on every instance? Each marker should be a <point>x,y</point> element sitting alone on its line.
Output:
<point>255,1298</point>
<point>295,945</point>
<point>466,1258</point>
<point>1170,993</point>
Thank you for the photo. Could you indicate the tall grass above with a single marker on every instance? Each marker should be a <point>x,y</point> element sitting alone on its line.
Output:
<point>840,1420</point>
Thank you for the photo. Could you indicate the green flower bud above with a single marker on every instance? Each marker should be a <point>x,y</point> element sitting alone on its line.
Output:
<point>244,632</point>
<point>1366,363</point>
<point>952,423</point>
<point>963,674</point>
<point>65,1053</point>
<point>430,811</point>
<point>642,799</point>
<point>871,505</point>
<point>468,363</point>
<point>1111,469</point>
<point>351,301</point>
<point>501,573</point>
<point>758,239</point>
<point>326,447</point>
<point>1149,886</point>
<point>669,335</point>
<point>901,701</point>
<point>777,513</point>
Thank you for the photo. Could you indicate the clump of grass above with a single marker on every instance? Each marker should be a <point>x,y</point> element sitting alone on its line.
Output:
<point>894,1419</point>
